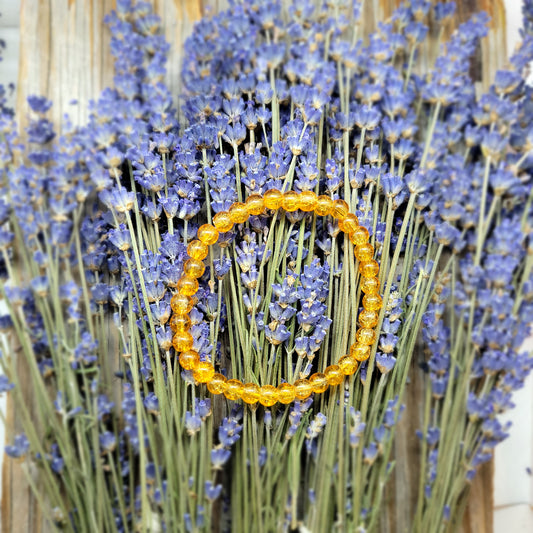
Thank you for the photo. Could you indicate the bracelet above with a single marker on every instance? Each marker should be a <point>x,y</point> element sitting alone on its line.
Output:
<point>183,300</point>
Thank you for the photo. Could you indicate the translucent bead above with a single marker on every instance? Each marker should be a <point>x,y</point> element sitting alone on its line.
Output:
<point>250,393</point>
<point>369,269</point>
<point>368,319</point>
<point>372,302</point>
<point>180,323</point>
<point>364,252</point>
<point>334,375</point>
<point>319,382</point>
<point>360,352</point>
<point>268,395</point>
<point>187,286</point>
<point>182,341</point>
<point>286,393</point>
<point>308,201</point>
<point>370,285</point>
<point>204,372</point>
<point>303,389</point>
<point>223,221</point>
<point>194,268</point>
<point>348,365</point>
<point>365,336</point>
<point>197,250</point>
<point>291,201</point>
<point>181,304</point>
<point>233,389</point>
<point>340,209</point>
<point>217,385</point>
<point>255,204</point>
<point>189,359</point>
<point>359,236</point>
<point>273,199</point>
<point>238,213</point>
<point>208,234</point>
<point>324,205</point>
<point>349,223</point>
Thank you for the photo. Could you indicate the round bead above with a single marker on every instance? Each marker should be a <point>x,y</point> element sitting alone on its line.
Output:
<point>273,199</point>
<point>286,393</point>
<point>182,341</point>
<point>250,393</point>
<point>233,389</point>
<point>334,375</point>
<point>349,223</point>
<point>268,395</point>
<point>291,201</point>
<point>180,323</point>
<point>340,209</point>
<point>194,268</point>
<point>208,234</point>
<point>348,365</point>
<point>359,236</point>
<point>372,302</point>
<point>369,269</point>
<point>308,201</point>
<point>238,213</point>
<point>303,389</point>
<point>364,252</point>
<point>181,304</point>
<point>223,221</point>
<point>255,204</point>
<point>365,336</point>
<point>368,319</point>
<point>187,286</point>
<point>189,359</point>
<point>197,250</point>
<point>217,385</point>
<point>204,372</point>
<point>324,205</point>
<point>369,285</point>
<point>360,352</point>
<point>319,382</point>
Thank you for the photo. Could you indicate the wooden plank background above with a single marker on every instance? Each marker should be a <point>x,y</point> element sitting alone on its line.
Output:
<point>64,55</point>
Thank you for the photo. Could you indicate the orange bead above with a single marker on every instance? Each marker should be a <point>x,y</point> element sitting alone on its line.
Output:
<point>208,234</point>
<point>303,389</point>
<point>348,365</point>
<point>308,201</point>
<point>369,285</point>
<point>268,395</point>
<point>181,304</point>
<point>369,269</point>
<point>194,268</point>
<point>324,205</point>
<point>349,223</point>
<point>334,375</point>
<point>273,199</point>
<point>255,204</point>
<point>250,393</point>
<point>197,250</point>
<point>238,213</point>
<point>204,372</point>
<point>180,323</point>
<point>182,341</point>
<point>340,209</point>
<point>187,286</point>
<point>365,336</point>
<point>359,236</point>
<point>189,359</point>
<point>372,302</point>
<point>360,352</point>
<point>217,385</point>
<point>286,393</point>
<point>291,201</point>
<point>368,319</point>
<point>223,221</point>
<point>364,252</point>
<point>233,389</point>
<point>319,382</point>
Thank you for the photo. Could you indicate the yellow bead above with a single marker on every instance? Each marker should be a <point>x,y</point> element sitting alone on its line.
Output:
<point>372,302</point>
<point>359,236</point>
<point>208,234</point>
<point>223,221</point>
<point>181,304</point>
<point>273,199</point>
<point>180,323</point>
<point>319,382</point>
<point>233,389</point>
<point>182,341</point>
<point>324,205</point>
<point>238,213</point>
<point>268,395</point>
<point>360,352</point>
<point>368,319</point>
<point>187,286</point>
<point>308,201</point>
<point>364,252</point>
<point>348,365</point>
<point>250,393</point>
<point>365,336</point>
<point>204,372</point>
<point>340,209</point>
<point>369,269</point>
<point>291,201</point>
<point>194,268</point>
<point>197,250</point>
<point>369,285</point>
<point>303,389</point>
<point>286,393</point>
<point>334,375</point>
<point>255,204</point>
<point>349,223</point>
<point>217,385</point>
<point>189,359</point>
